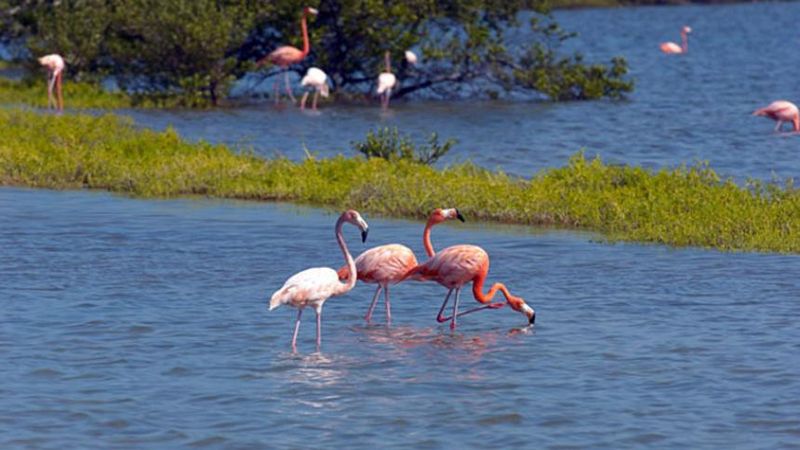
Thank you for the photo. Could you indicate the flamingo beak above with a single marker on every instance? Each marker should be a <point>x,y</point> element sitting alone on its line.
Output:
<point>533,318</point>
<point>459,216</point>
<point>364,235</point>
<point>313,11</point>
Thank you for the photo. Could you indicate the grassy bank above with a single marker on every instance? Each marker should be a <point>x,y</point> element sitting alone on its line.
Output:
<point>76,95</point>
<point>686,206</point>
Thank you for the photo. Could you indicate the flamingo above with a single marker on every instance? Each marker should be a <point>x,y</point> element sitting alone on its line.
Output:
<point>312,287</point>
<point>317,79</point>
<point>287,55</point>
<point>671,47</point>
<point>456,266</point>
<point>387,80</point>
<point>782,111</point>
<point>55,70</point>
<point>387,264</point>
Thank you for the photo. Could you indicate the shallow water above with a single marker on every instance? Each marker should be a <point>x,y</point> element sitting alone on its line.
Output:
<point>131,323</point>
<point>142,323</point>
<point>685,108</point>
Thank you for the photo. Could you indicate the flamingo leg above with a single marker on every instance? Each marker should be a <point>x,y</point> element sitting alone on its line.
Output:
<point>388,307</point>
<point>440,318</point>
<point>289,87</point>
<point>303,101</point>
<point>51,80</point>
<point>778,125</point>
<point>368,317</point>
<point>276,92</point>
<point>455,309</point>
<point>479,308</point>
<point>314,104</point>
<point>58,91</point>
<point>319,328</point>
<point>296,329</point>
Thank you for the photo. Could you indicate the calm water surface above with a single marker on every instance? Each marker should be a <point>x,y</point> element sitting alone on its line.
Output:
<point>143,324</point>
<point>130,323</point>
<point>686,108</point>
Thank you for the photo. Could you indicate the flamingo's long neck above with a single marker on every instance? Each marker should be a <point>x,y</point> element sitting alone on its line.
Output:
<point>306,44</point>
<point>684,42</point>
<point>388,62</point>
<point>477,290</point>
<point>351,265</point>
<point>426,239</point>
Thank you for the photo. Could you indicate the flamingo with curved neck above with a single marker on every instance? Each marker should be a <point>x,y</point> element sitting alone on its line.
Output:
<point>386,265</point>
<point>312,287</point>
<point>287,55</point>
<point>458,265</point>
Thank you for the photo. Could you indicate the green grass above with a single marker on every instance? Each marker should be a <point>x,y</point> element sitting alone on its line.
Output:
<point>685,206</point>
<point>76,95</point>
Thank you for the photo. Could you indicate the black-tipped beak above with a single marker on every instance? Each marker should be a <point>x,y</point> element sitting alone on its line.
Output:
<point>532,319</point>
<point>364,235</point>
<point>459,216</point>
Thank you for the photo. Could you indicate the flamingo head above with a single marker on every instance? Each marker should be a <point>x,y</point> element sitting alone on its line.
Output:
<point>686,29</point>
<point>310,10</point>
<point>353,217</point>
<point>518,304</point>
<point>440,215</point>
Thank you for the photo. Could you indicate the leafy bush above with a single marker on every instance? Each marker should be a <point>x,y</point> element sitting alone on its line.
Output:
<point>390,145</point>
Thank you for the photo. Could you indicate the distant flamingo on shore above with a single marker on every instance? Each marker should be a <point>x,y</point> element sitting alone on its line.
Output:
<point>318,80</point>
<point>287,55</point>
<point>388,264</point>
<point>312,287</point>
<point>781,111</point>
<point>671,47</point>
<point>55,69</point>
<point>456,266</point>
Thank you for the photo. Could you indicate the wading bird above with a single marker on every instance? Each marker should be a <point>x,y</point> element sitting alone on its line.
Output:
<point>318,80</point>
<point>312,287</point>
<point>287,55</point>
<point>55,70</point>
<point>388,264</point>
<point>782,111</point>
<point>456,266</point>
<point>387,81</point>
<point>671,47</point>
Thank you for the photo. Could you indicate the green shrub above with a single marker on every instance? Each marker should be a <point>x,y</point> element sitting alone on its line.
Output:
<point>390,145</point>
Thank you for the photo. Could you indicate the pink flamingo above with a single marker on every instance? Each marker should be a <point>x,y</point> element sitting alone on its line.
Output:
<point>388,264</point>
<point>456,266</point>
<point>55,70</point>
<point>318,80</point>
<point>782,111</point>
<point>312,287</point>
<point>671,47</point>
<point>387,80</point>
<point>287,55</point>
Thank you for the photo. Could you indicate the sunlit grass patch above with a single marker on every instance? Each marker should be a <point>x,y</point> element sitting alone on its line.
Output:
<point>682,206</point>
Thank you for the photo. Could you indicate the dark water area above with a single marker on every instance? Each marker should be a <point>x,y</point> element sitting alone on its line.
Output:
<point>133,323</point>
<point>138,323</point>
<point>685,108</point>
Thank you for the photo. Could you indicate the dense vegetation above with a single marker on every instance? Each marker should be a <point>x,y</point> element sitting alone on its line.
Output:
<point>683,206</point>
<point>196,49</point>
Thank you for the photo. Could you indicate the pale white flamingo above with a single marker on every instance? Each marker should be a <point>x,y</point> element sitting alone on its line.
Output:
<point>387,80</point>
<point>318,80</point>
<point>386,265</point>
<point>458,265</point>
<point>287,55</point>
<point>312,287</point>
<point>781,111</point>
<point>671,47</point>
<point>55,69</point>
